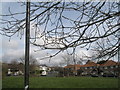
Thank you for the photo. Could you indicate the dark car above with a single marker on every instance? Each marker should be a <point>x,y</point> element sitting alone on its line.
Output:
<point>109,75</point>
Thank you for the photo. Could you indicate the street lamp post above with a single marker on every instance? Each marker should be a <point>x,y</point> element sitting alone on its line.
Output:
<point>26,75</point>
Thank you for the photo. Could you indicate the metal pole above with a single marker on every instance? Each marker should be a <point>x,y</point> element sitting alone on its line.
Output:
<point>26,75</point>
<point>119,46</point>
<point>119,33</point>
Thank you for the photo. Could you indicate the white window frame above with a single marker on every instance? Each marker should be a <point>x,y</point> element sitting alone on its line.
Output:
<point>85,67</point>
<point>105,67</point>
<point>116,66</point>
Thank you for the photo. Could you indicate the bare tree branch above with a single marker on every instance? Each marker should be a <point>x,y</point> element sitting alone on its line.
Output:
<point>62,25</point>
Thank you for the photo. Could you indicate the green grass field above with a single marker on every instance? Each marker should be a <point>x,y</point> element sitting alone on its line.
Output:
<point>61,82</point>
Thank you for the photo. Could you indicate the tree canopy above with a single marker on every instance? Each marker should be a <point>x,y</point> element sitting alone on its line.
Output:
<point>63,25</point>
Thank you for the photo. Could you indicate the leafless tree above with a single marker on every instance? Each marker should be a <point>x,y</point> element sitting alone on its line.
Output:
<point>32,63</point>
<point>32,60</point>
<point>64,25</point>
<point>67,59</point>
<point>14,64</point>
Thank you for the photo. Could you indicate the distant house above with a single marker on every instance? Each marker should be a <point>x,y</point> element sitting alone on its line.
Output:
<point>89,68</point>
<point>15,69</point>
<point>108,68</point>
<point>43,70</point>
<point>14,72</point>
<point>71,69</point>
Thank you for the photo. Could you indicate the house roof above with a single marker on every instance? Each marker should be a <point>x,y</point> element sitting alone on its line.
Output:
<point>68,66</point>
<point>72,66</point>
<point>118,63</point>
<point>90,64</point>
<point>109,63</point>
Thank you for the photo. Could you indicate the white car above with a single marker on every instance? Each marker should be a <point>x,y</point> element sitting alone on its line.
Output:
<point>44,73</point>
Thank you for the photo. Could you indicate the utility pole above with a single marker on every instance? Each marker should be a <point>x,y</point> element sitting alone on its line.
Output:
<point>118,45</point>
<point>26,75</point>
<point>119,32</point>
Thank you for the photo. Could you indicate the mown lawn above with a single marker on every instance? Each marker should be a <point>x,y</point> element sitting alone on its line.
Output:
<point>61,82</point>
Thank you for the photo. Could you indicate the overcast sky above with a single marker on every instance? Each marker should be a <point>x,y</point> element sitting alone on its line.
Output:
<point>14,48</point>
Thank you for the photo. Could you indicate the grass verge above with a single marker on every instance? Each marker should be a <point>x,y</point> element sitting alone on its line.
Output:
<point>61,82</point>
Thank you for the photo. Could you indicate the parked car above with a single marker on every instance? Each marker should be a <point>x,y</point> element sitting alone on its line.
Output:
<point>109,75</point>
<point>94,75</point>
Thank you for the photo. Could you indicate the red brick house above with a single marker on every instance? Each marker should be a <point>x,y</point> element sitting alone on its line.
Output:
<point>89,68</point>
<point>71,69</point>
<point>108,68</point>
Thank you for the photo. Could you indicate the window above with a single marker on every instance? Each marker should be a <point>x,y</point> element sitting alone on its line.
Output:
<point>112,67</point>
<point>94,67</point>
<point>105,67</point>
<point>116,66</point>
<point>108,66</point>
<point>91,67</point>
<point>72,69</point>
